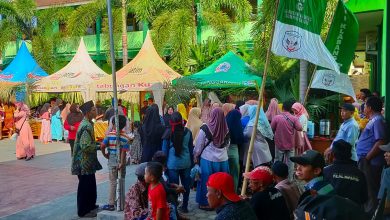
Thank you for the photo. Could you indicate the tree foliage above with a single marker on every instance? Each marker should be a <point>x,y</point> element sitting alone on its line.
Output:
<point>22,20</point>
<point>175,21</point>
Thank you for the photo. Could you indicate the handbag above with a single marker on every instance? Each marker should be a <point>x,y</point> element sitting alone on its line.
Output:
<point>299,140</point>
<point>17,130</point>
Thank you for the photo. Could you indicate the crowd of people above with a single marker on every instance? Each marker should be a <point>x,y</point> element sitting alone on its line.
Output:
<point>204,151</point>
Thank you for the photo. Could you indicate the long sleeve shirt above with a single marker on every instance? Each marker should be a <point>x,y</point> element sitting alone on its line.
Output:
<point>211,152</point>
<point>284,131</point>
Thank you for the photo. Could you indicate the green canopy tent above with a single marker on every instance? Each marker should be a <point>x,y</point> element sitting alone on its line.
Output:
<point>230,71</point>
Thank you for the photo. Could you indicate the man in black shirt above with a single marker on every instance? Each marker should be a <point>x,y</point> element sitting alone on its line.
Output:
<point>221,196</point>
<point>344,175</point>
<point>267,201</point>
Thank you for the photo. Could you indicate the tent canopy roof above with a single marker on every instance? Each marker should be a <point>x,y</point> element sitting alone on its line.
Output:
<point>23,68</point>
<point>77,75</point>
<point>230,71</point>
<point>142,73</point>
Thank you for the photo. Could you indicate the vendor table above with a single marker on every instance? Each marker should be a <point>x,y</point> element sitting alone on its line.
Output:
<point>320,144</point>
<point>35,125</point>
<point>100,128</point>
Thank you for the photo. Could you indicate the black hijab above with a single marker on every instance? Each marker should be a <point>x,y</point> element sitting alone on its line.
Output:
<point>233,120</point>
<point>75,115</point>
<point>152,127</point>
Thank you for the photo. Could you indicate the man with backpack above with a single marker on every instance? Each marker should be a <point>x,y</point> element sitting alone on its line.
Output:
<point>285,126</point>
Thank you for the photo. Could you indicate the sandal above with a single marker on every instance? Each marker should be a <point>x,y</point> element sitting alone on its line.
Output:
<point>206,208</point>
<point>109,207</point>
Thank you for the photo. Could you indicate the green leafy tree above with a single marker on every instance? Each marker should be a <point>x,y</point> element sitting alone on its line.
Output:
<point>175,23</point>
<point>22,20</point>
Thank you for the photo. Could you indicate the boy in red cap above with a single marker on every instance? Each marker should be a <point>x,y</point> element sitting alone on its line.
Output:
<point>267,201</point>
<point>222,197</point>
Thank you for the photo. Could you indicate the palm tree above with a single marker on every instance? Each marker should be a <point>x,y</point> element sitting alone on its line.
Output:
<point>175,22</point>
<point>85,16</point>
<point>21,19</point>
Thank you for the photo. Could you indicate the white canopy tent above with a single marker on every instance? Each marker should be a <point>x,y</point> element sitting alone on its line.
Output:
<point>77,76</point>
<point>146,72</point>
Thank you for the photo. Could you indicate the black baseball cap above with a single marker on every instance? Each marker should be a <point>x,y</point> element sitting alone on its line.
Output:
<point>310,157</point>
<point>348,107</point>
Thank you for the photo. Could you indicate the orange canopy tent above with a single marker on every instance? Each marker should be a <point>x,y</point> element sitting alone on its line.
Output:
<point>146,72</point>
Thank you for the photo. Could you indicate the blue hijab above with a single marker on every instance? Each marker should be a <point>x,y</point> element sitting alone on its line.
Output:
<point>263,124</point>
<point>233,119</point>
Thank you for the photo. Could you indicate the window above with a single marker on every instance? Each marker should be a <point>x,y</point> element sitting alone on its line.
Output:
<point>133,24</point>
<point>92,29</point>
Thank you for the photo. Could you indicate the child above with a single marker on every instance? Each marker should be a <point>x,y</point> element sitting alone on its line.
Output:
<point>136,148</point>
<point>136,205</point>
<point>113,164</point>
<point>158,206</point>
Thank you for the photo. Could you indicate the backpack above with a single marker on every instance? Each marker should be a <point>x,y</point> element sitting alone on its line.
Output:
<point>328,207</point>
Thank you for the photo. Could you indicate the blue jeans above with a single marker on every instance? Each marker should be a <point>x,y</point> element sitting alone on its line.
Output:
<point>208,168</point>
<point>185,179</point>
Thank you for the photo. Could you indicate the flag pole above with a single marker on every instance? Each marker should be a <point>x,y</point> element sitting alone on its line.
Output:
<point>121,179</point>
<point>260,101</point>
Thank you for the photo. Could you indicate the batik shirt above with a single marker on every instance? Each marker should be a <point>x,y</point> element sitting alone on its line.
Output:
<point>84,160</point>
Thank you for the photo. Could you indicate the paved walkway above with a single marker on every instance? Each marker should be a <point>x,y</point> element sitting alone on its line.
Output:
<point>44,189</point>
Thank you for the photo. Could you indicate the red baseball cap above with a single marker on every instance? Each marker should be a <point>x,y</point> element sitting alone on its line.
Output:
<point>224,182</point>
<point>261,173</point>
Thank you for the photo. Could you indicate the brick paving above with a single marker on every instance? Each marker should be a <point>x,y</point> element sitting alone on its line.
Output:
<point>43,188</point>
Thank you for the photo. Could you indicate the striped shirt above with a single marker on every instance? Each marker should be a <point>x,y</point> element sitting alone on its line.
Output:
<point>110,142</point>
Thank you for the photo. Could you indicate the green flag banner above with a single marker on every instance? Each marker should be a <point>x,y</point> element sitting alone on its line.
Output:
<point>297,32</point>
<point>341,42</point>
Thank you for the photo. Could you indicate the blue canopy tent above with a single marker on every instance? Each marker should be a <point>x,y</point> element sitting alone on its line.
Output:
<point>23,68</point>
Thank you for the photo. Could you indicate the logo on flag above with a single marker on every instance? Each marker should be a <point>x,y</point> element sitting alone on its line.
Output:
<point>328,79</point>
<point>292,41</point>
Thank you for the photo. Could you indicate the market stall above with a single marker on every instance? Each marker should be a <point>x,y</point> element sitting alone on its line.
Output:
<point>77,76</point>
<point>230,71</point>
<point>146,72</point>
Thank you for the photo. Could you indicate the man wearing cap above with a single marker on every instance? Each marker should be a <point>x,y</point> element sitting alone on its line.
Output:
<point>289,190</point>
<point>309,169</point>
<point>385,182</point>
<point>371,160</point>
<point>347,180</point>
<point>85,162</point>
<point>267,201</point>
<point>349,130</point>
<point>222,197</point>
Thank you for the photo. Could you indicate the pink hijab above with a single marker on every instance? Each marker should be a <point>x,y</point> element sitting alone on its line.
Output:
<point>273,109</point>
<point>218,126</point>
<point>300,110</point>
<point>23,107</point>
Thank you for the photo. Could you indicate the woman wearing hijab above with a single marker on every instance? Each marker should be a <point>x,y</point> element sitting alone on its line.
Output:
<point>211,152</point>
<point>273,109</point>
<point>25,148</point>
<point>56,122</point>
<point>181,108</point>
<point>233,119</point>
<point>300,112</point>
<point>194,122</point>
<point>178,147</point>
<point>244,115</point>
<point>167,116</point>
<point>151,133</point>
<point>261,153</point>
<point>45,135</point>
<point>71,124</point>
<point>206,110</point>
<point>65,112</point>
